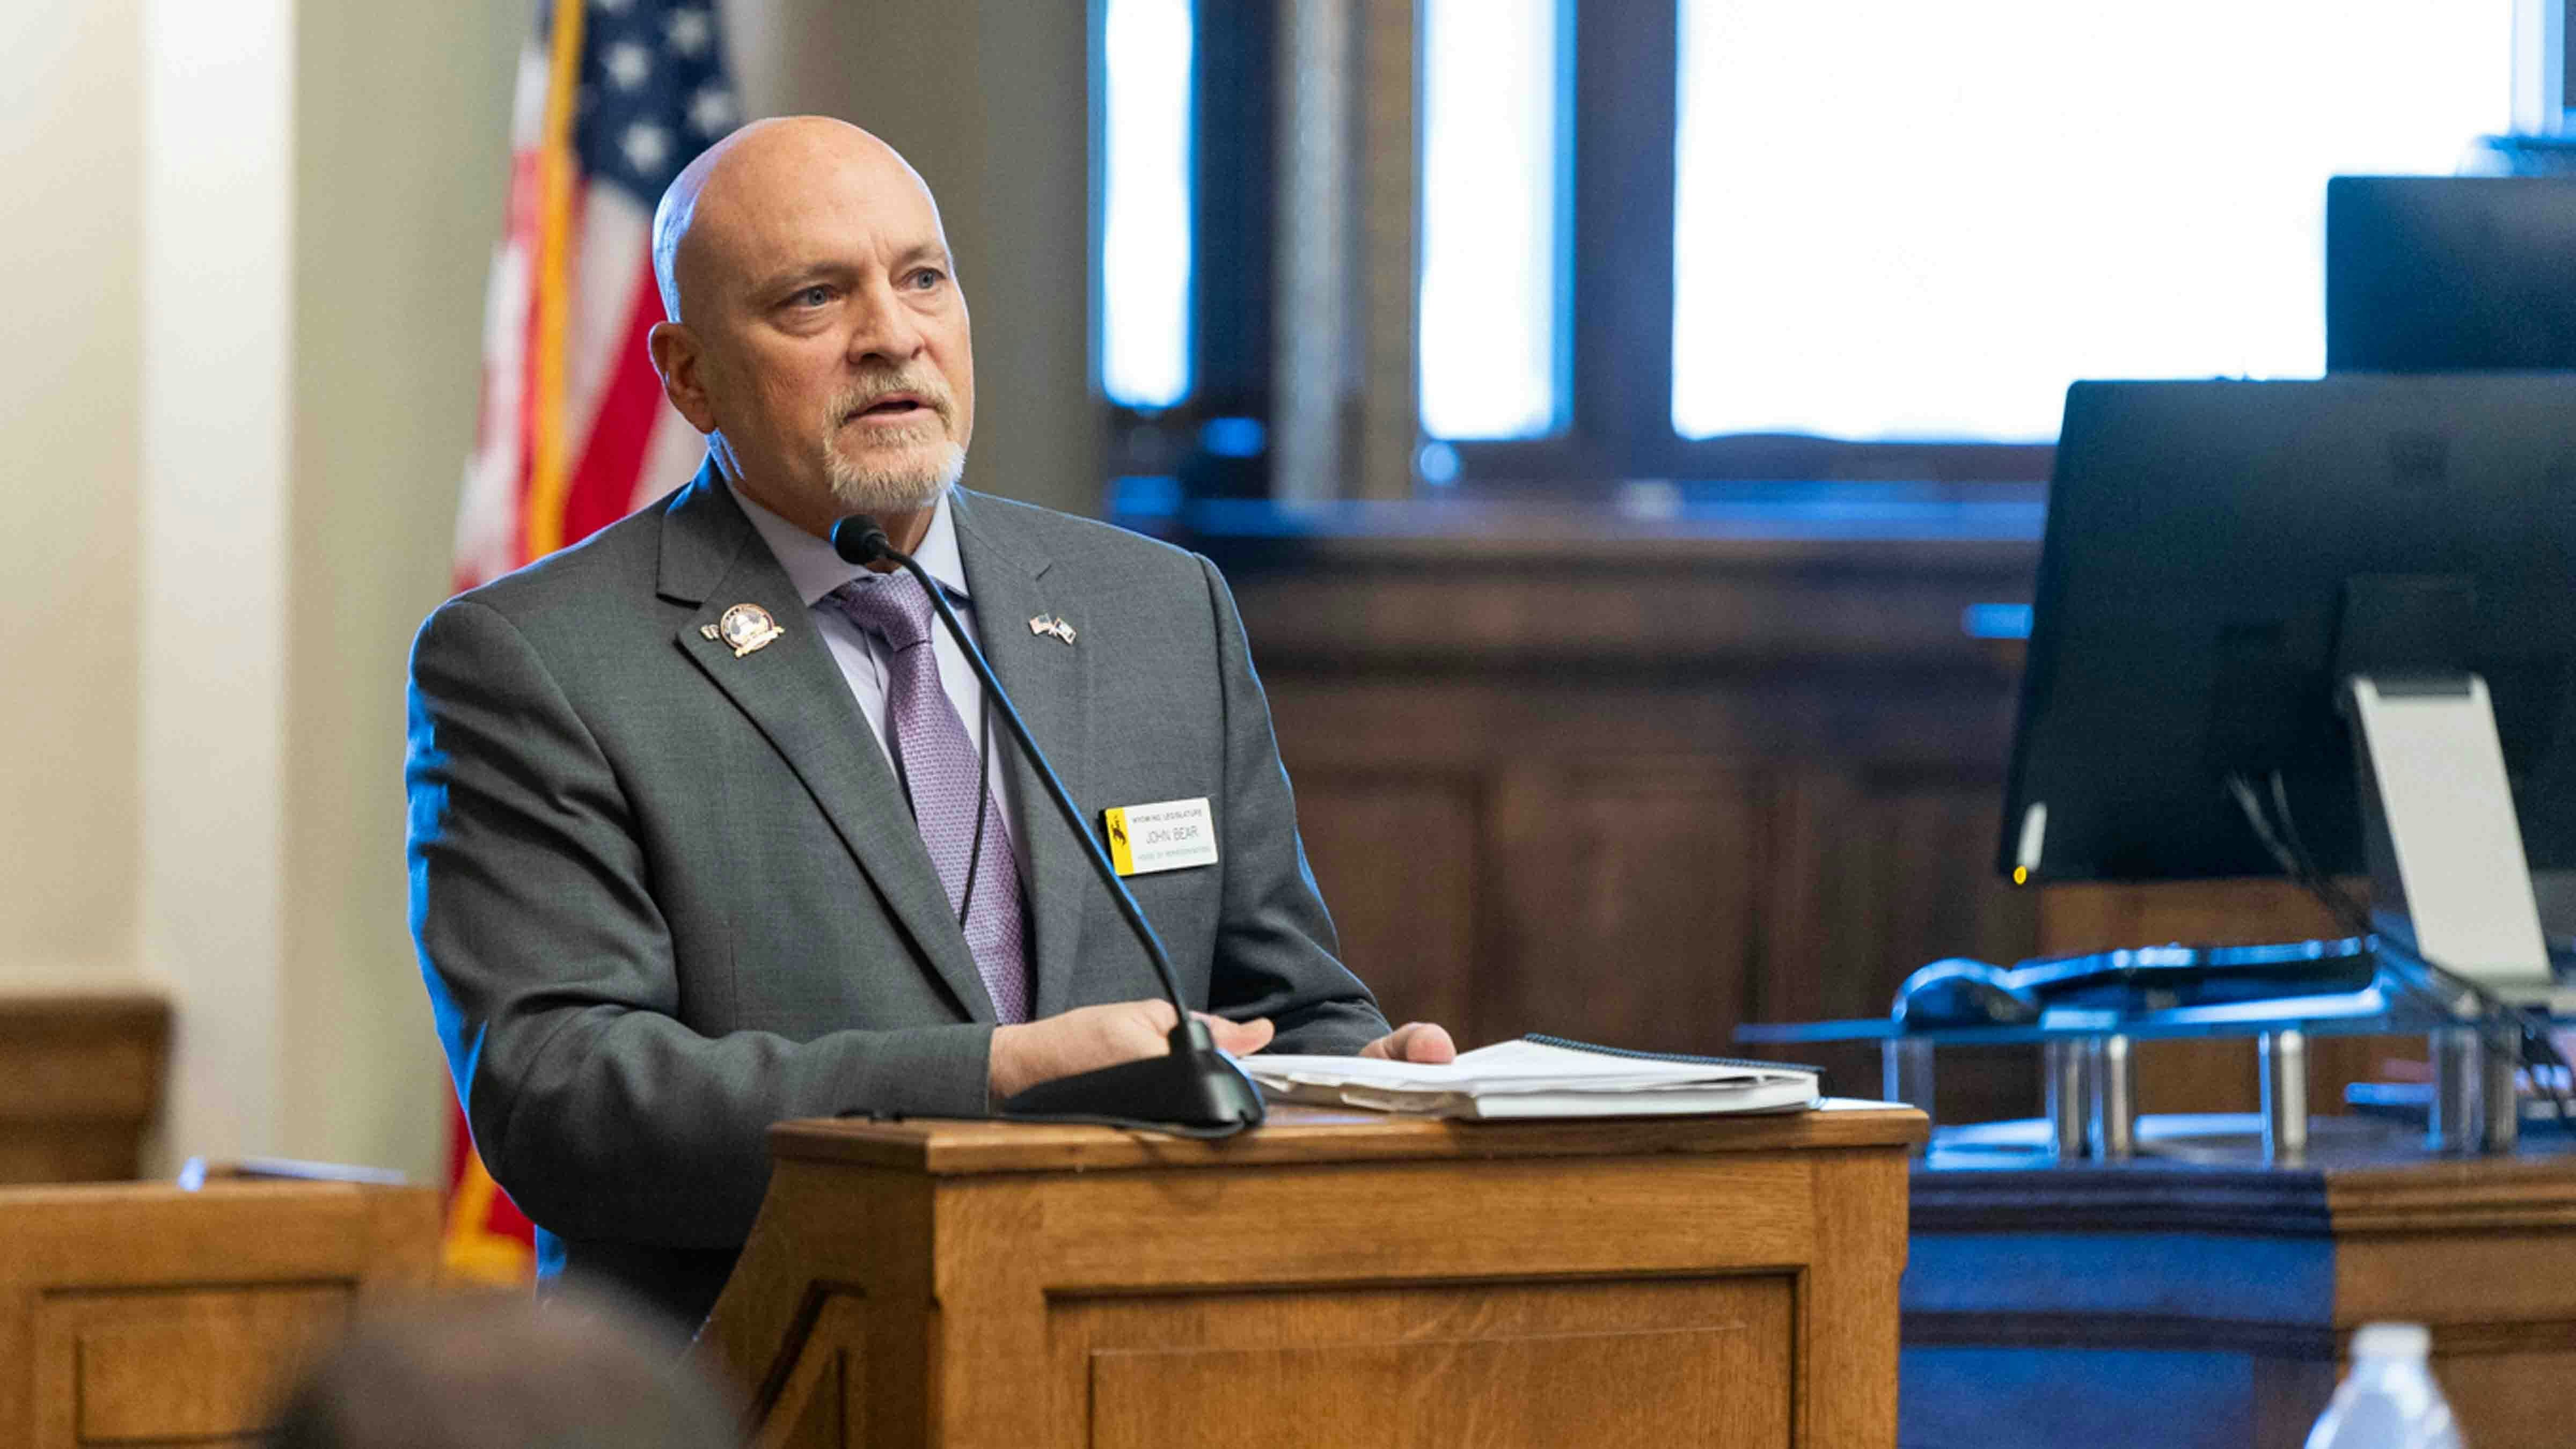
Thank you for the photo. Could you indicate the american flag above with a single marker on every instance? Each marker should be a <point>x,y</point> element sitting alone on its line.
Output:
<point>613,98</point>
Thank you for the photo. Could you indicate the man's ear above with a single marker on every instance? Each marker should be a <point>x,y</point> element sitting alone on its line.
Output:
<point>676,356</point>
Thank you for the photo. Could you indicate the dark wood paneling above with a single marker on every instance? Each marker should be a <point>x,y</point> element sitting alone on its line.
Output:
<point>1623,907</point>
<point>1397,858</point>
<point>1887,871</point>
<point>1639,789</point>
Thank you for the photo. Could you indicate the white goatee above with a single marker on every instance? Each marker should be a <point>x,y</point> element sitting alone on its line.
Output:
<point>896,487</point>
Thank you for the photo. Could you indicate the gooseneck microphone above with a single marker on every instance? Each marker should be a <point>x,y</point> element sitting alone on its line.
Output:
<point>1196,1089</point>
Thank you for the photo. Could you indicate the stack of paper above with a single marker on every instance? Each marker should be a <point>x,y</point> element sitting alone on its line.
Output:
<point>1538,1077</point>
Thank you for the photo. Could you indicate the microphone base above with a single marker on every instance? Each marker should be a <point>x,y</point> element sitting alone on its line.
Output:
<point>1195,1088</point>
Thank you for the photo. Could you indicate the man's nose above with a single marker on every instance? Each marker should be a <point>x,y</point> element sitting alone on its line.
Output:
<point>883,327</point>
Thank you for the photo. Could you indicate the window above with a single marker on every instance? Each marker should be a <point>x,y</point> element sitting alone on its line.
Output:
<point>1730,241</point>
<point>1924,221</point>
<point>1145,203</point>
<point>1492,155</point>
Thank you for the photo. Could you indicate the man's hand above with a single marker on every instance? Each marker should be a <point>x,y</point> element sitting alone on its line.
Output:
<point>1415,1041</point>
<point>1103,1036</point>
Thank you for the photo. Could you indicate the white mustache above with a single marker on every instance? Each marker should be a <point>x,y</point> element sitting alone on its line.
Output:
<point>860,399</point>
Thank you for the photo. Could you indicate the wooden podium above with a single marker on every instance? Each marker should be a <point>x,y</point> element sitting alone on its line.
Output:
<point>1329,1279</point>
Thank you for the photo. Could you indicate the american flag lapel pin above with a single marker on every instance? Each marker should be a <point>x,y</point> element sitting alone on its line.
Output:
<point>1050,624</point>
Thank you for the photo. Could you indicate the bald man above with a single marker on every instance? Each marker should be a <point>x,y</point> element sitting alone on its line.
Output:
<point>709,829</point>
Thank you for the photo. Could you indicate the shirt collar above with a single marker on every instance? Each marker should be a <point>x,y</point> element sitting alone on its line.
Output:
<point>816,570</point>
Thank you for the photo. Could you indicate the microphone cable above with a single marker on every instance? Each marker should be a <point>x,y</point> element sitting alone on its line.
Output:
<point>2500,1020</point>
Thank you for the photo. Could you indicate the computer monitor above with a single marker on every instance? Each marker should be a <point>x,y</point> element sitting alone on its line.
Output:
<point>2450,273</point>
<point>2219,556</point>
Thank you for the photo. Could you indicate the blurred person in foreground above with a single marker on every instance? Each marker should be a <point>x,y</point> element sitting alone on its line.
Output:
<point>710,828</point>
<point>495,1372</point>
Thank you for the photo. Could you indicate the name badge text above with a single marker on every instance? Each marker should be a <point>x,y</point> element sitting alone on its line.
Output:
<point>1168,835</point>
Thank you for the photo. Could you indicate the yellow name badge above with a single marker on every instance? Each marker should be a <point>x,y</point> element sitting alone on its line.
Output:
<point>1171,835</point>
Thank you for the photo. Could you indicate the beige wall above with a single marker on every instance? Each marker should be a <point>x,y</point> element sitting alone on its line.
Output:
<point>70,144</point>
<point>401,171</point>
<point>218,217</point>
<point>225,822</point>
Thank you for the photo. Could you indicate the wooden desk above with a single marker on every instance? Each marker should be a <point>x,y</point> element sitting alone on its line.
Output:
<point>1329,1279</point>
<point>145,1314</point>
<point>2193,1307</point>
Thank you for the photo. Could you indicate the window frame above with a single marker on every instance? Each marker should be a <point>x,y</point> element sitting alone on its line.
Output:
<point>1619,428</point>
<point>1231,330</point>
<point>1615,308</point>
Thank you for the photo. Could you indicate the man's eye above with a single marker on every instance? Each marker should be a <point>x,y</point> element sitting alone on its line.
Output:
<point>813,296</point>
<point>927,278</point>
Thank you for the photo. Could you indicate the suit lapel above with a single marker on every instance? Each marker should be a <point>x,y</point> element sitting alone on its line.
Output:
<point>794,692</point>
<point>1050,681</point>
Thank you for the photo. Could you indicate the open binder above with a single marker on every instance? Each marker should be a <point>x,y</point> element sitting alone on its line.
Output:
<point>1540,1076</point>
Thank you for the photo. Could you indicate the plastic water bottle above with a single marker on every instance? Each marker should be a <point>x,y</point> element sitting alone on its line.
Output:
<point>2389,1400</point>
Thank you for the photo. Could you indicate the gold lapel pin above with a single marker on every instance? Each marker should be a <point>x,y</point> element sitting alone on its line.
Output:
<point>744,626</point>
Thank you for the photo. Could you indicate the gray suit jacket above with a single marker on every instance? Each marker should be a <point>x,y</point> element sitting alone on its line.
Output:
<point>665,896</point>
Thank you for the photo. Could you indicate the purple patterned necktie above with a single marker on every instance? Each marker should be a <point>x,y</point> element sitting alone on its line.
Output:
<point>938,766</point>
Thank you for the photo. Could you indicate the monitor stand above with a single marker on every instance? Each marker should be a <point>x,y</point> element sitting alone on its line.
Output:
<point>2448,875</point>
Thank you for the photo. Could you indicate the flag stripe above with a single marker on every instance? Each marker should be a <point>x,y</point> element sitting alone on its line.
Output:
<point>603,488</point>
<point>544,513</point>
<point>612,237</point>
